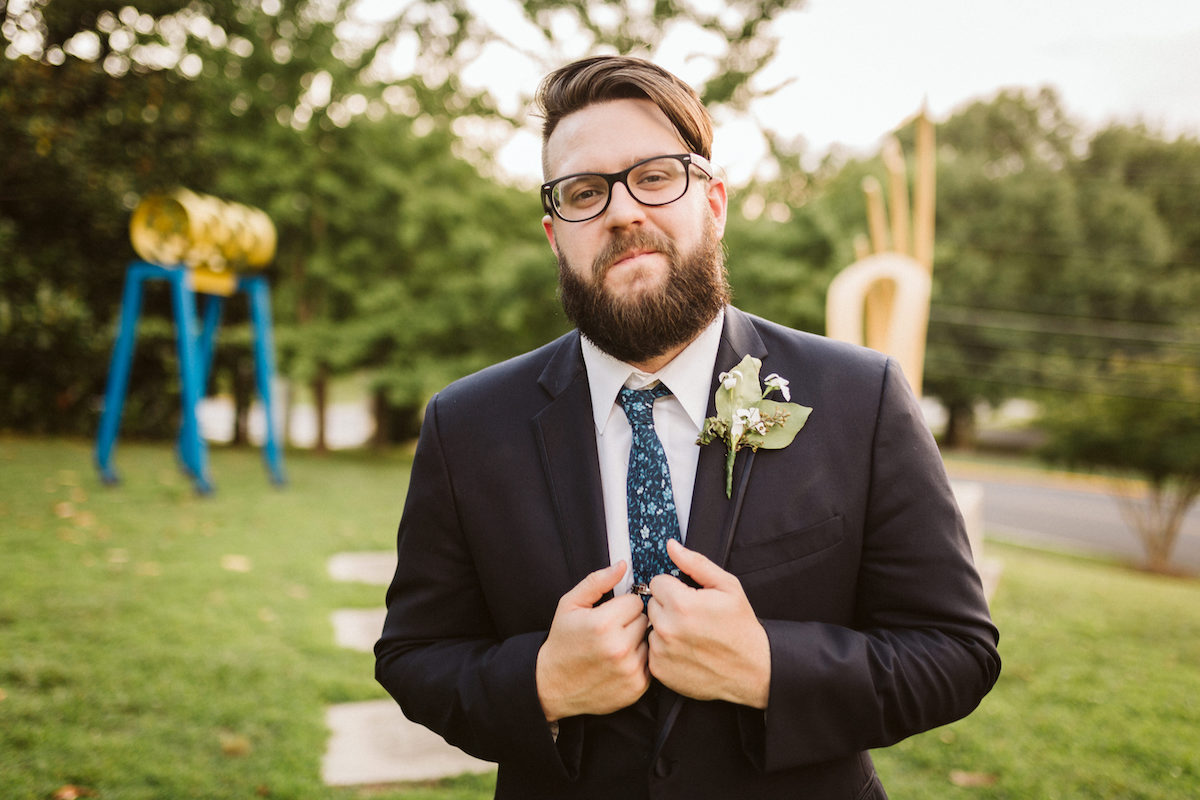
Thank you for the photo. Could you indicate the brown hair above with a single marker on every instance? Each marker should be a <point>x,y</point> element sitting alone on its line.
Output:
<point>602,78</point>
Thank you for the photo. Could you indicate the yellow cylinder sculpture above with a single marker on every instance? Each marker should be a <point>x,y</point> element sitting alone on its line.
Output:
<point>212,237</point>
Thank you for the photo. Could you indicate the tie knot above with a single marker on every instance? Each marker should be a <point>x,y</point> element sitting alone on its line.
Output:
<point>638,404</point>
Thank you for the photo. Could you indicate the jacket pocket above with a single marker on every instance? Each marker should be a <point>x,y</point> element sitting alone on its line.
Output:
<point>788,547</point>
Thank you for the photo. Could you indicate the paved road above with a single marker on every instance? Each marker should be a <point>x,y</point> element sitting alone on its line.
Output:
<point>1022,508</point>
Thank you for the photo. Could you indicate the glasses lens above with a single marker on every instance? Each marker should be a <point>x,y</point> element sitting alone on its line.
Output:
<point>580,197</point>
<point>658,181</point>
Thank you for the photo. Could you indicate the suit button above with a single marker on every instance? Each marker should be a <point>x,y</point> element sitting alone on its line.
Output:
<point>663,767</point>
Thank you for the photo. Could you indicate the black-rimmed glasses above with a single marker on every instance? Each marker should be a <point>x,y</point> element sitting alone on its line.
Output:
<point>655,181</point>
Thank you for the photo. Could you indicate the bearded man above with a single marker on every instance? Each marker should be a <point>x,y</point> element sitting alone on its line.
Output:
<point>588,596</point>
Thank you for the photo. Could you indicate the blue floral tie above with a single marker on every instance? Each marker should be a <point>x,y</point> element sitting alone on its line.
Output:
<point>651,503</point>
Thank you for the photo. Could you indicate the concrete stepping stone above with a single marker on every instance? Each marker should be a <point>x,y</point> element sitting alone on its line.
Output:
<point>367,567</point>
<point>358,628</point>
<point>373,742</point>
<point>990,570</point>
<point>969,496</point>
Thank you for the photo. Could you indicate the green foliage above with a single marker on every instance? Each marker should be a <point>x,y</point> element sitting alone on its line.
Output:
<point>1015,130</point>
<point>1149,422</point>
<point>1069,273</point>
<point>733,40</point>
<point>63,232</point>
<point>1053,253</point>
<point>397,257</point>
<point>1144,419</point>
<point>401,260</point>
<point>780,270</point>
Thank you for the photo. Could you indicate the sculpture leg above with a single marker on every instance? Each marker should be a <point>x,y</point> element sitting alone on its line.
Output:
<point>264,370</point>
<point>118,372</point>
<point>192,449</point>
<point>205,348</point>
<point>213,306</point>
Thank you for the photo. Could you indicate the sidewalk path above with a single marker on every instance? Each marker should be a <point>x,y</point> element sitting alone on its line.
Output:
<point>373,742</point>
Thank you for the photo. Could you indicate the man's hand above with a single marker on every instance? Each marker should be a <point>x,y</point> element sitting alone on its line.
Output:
<point>594,661</point>
<point>707,643</point>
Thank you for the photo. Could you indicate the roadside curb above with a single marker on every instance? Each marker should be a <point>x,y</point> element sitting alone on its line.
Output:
<point>959,469</point>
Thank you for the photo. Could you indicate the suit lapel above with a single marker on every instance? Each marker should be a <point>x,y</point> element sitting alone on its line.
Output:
<point>713,515</point>
<point>567,441</point>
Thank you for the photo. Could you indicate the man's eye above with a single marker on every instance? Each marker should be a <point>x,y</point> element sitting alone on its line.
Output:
<point>583,192</point>
<point>655,179</point>
<point>584,196</point>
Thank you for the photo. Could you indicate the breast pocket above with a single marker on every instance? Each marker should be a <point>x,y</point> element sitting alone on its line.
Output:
<point>789,547</point>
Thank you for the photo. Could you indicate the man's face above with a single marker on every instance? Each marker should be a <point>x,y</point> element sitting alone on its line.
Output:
<point>635,260</point>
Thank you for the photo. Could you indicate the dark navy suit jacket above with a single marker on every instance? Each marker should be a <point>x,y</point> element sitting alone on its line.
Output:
<point>848,544</point>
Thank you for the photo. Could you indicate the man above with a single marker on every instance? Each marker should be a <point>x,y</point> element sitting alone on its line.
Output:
<point>827,605</point>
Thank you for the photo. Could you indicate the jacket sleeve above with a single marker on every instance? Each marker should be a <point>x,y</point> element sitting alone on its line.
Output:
<point>922,649</point>
<point>440,656</point>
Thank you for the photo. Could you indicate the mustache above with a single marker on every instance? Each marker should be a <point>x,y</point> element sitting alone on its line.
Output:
<point>621,244</point>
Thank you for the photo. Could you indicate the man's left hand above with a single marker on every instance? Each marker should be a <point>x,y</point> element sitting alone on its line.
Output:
<point>707,643</point>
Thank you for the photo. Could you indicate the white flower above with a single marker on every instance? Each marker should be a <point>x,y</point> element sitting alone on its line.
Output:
<point>729,379</point>
<point>773,381</point>
<point>750,419</point>
<point>738,424</point>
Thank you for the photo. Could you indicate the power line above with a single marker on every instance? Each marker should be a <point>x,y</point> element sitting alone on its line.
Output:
<point>1077,254</point>
<point>1033,383</point>
<point>1060,324</point>
<point>1096,359</point>
<point>1075,377</point>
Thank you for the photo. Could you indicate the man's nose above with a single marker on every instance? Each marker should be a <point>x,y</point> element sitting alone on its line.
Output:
<point>623,209</point>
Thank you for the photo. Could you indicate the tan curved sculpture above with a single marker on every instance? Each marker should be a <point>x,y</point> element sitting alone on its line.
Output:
<point>882,299</point>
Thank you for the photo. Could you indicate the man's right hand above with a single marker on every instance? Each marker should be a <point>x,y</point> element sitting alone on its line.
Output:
<point>594,660</point>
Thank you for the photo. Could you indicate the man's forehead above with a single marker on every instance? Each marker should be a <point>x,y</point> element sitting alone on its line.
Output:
<point>609,136</point>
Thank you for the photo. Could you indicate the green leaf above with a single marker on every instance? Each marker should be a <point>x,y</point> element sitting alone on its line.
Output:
<point>745,393</point>
<point>781,434</point>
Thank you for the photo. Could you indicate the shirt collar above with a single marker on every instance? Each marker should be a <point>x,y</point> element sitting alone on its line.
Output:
<point>688,375</point>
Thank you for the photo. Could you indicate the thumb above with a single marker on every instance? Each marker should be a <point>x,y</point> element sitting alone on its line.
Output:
<point>588,591</point>
<point>698,567</point>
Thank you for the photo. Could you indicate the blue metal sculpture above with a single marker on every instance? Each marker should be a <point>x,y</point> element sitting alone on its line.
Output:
<point>197,244</point>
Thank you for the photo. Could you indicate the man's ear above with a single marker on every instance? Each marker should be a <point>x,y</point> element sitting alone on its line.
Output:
<point>548,227</point>
<point>718,203</point>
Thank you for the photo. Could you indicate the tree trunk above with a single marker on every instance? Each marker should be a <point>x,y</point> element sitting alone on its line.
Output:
<point>242,380</point>
<point>320,389</point>
<point>1157,516</point>
<point>380,411</point>
<point>960,427</point>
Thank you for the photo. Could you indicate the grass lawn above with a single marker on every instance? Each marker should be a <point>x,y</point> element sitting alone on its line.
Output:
<point>154,644</point>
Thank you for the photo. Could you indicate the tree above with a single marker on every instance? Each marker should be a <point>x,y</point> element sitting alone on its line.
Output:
<point>397,255</point>
<point>1048,261</point>
<point>1007,219</point>
<point>78,147</point>
<point>1147,421</point>
<point>786,239</point>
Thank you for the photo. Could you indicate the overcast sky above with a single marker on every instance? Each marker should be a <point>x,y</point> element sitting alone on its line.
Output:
<point>860,67</point>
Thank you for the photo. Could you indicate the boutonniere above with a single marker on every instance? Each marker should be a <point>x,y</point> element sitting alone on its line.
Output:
<point>746,418</point>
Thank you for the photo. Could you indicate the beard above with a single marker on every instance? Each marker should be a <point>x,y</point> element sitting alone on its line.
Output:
<point>645,325</point>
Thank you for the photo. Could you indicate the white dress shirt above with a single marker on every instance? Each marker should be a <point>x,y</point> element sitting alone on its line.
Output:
<point>678,419</point>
